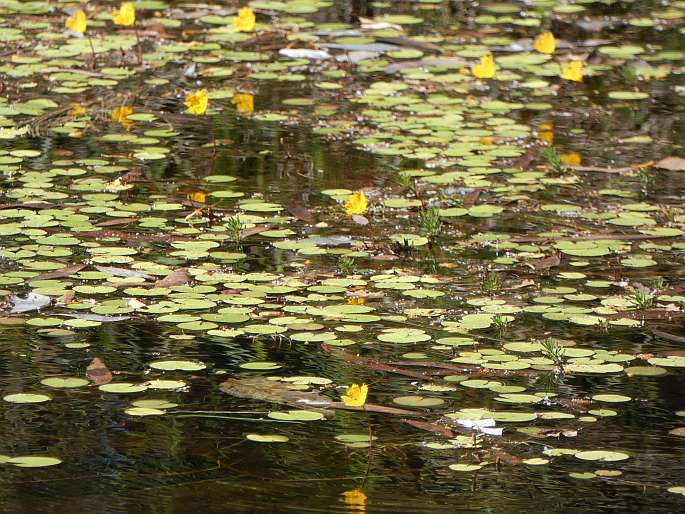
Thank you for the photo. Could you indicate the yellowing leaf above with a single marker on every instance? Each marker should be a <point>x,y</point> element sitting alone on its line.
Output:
<point>245,21</point>
<point>573,71</point>
<point>485,69</point>
<point>126,15</point>
<point>545,43</point>
<point>356,203</point>
<point>355,396</point>
<point>77,22</point>
<point>197,102</point>
<point>244,102</point>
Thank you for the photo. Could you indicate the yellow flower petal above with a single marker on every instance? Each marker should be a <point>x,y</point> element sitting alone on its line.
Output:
<point>355,396</point>
<point>355,500</point>
<point>76,109</point>
<point>245,21</point>
<point>77,22</point>
<point>545,43</point>
<point>197,102</point>
<point>573,71</point>
<point>244,102</point>
<point>197,197</point>
<point>485,69</point>
<point>571,159</point>
<point>126,15</point>
<point>356,203</point>
<point>120,113</point>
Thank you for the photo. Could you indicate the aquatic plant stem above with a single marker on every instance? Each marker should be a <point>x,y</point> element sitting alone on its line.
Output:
<point>139,47</point>
<point>368,456</point>
<point>92,49</point>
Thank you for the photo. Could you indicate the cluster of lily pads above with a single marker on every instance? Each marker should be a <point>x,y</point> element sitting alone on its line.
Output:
<point>479,246</point>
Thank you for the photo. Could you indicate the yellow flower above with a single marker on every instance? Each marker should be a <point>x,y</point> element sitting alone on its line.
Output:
<point>356,300</point>
<point>126,15</point>
<point>244,102</point>
<point>77,22</point>
<point>355,396</point>
<point>571,159</point>
<point>120,113</point>
<point>356,203</point>
<point>245,21</point>
<point>197,102</point>
<point>355,500</point>
<point>546,133</point>
<point>76,109</point>
<point>573,71</point>
<point>485,69</point>
<point>545,43</point>
<point>197,197</point>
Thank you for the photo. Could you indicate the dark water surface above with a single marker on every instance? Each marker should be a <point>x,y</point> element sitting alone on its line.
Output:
<point>195,457</point>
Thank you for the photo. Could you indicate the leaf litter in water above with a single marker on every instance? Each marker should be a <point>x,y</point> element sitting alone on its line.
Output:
<point>484,221</point>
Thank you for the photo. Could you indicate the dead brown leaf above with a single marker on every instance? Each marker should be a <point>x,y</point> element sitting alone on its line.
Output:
<point>175,278</point>
<point>671,164</point>
<point>98,373</point>
<point>64,272</point>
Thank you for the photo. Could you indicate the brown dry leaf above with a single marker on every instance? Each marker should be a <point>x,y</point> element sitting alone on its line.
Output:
<point>301,213</point>
<point>525,283</point>
<point>98,373</point>
<point>175,278</point>
<point>67,298</point>
<point>471,198</point>
<point>680,431</point>
<point>580,404</point>
<point>436,428</point>
<point>64,272</point>
<point>671,164</point>
<point>548,262</point>
<point>12,320</point>
<point>502,457</point>
<point>253,231</point>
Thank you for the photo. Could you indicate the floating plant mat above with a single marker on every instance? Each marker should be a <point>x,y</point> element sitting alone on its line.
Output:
<point>335,242</point>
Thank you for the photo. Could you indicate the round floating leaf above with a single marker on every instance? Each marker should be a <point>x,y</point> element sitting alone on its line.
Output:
<point>513,417</point>
<point>267,438</point>
<point>144,411</point>
<point>611,398</point>
<point>154,404</point>
<point>64,382</point>
<point>418,401</point>
<point>34,461</point>
<point>536,461</point>
<point>645,371</point>
<point>466,467</point>
<point>260,365</point>
<point>296,415</point>
<point>602,456</point>
<point>177,365</point>
<point>26,398</point>
<point>122,388</point>
<point>165,384</point>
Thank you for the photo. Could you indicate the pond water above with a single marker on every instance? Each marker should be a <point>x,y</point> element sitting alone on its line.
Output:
<point>496,252</point>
